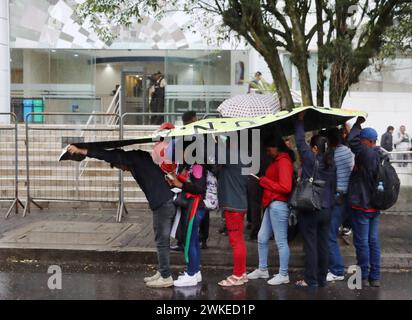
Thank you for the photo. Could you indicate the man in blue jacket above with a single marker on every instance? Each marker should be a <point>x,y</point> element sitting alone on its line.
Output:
<point>365,218</point>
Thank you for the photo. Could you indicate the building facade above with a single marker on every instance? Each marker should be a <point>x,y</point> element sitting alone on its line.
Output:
<point>48,62</point>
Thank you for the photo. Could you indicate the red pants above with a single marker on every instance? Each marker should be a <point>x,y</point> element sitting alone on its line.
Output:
<point>234,226</point>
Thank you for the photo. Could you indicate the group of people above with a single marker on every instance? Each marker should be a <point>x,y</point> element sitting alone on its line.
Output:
<point>345,164</point>
<point>400,141</point>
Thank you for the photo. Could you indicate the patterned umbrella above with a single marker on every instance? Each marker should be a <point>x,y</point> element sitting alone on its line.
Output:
<point>252,105</point>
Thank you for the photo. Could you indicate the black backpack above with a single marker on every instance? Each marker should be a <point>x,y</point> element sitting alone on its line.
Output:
<point>386,197</point>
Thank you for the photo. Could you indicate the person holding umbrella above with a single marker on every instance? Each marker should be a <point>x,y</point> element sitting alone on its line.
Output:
<point>150,176</point>
<point>318,163</point>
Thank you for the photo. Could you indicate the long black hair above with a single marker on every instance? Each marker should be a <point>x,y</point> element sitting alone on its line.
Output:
<point>276,141</point>
<point>321,142</point>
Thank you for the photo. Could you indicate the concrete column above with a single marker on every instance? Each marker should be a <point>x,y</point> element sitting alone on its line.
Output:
<point>4,59</point>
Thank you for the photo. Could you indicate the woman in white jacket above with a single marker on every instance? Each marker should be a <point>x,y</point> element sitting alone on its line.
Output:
<point>402,141</point>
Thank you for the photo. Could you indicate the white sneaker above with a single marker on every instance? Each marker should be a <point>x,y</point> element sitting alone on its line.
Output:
<point>258,274</point>
<point>186,281</point>
<point>152,278</point>
<point>278,279</point>
<point>198,276</point>
<point>331,277</point>
<point>160,283</point>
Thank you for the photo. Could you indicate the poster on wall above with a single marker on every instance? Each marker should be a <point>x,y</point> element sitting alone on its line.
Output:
<point>239,72</point>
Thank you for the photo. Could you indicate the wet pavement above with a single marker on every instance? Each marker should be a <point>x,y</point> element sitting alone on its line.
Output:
<point>117,284</point>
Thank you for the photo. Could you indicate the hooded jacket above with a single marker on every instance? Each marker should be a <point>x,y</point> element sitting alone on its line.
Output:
<point>277,182</point>
<point>364,172</point>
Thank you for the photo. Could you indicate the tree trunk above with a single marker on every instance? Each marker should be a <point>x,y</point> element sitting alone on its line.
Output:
<point>339,84</point>
<point>320,77</point>
<point>304,79</point>
<point>300,54</point>
<point>282,86</point>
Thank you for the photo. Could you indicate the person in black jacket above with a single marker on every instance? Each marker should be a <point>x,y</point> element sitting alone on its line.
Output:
<point>365,218</point>
<point>192,180</point>
<point>387,139</point>
<point>315,225</point>
<point>151,180</point>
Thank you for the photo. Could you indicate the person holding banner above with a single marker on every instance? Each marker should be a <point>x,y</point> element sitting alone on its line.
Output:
<point>150,176</point>
<point>317,164</point>
<point>232,194</point>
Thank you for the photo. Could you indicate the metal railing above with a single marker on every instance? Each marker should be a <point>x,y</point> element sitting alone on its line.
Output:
<point>401,157</point>
<point>9,153</point>
<point>51,180</point>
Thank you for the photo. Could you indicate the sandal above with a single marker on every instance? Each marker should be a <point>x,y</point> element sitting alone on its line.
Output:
<point>245,279</point>
<point>232,281</point>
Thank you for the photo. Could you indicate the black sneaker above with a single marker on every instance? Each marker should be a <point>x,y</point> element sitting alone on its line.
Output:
<point>204,245</point>
<point>176,248</point>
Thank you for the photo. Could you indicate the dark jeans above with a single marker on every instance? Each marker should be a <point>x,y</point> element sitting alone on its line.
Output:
<point>315,228</point>
<point>366,240</point>
<point>254,203</point>
<point>336,265</point>
<point>157,106</point>
<point>204,227</point>
<point>162,225</point>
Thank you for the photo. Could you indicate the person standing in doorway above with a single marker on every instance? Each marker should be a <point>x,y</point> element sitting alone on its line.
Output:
<point>157,103</point>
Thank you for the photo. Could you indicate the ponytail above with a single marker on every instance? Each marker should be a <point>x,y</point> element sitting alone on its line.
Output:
<point>321,142</point>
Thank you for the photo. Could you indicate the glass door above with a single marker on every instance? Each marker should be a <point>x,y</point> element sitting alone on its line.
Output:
<point>135,96</point>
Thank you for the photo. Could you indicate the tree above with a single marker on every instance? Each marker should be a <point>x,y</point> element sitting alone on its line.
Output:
<point>271,25</point>
<point>353,47</point>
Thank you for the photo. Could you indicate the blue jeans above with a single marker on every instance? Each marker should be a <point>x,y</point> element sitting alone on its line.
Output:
<point>275,220</point>
<point>193,266</point>
<point>366,240</point>
<point>336,265</point>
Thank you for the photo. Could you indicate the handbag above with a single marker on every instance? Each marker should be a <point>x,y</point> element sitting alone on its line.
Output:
<point>308,194</point>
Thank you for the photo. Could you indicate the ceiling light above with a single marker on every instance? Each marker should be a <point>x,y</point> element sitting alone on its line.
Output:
<point>76,55</point>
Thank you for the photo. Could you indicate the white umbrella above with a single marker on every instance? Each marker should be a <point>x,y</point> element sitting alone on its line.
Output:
<point>251,105</point>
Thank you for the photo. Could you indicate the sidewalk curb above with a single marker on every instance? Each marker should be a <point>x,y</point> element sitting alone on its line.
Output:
<point>130,258</point>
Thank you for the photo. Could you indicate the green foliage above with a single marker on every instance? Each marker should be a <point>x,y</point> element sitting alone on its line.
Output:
<point>268,25</point>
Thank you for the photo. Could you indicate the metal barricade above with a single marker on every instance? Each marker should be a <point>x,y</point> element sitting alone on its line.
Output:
<point>402,158</point>
<point>49,180</point>
<point>9,164</point>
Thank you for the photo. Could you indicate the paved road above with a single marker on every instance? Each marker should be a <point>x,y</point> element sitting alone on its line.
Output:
<point>114,284</point>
